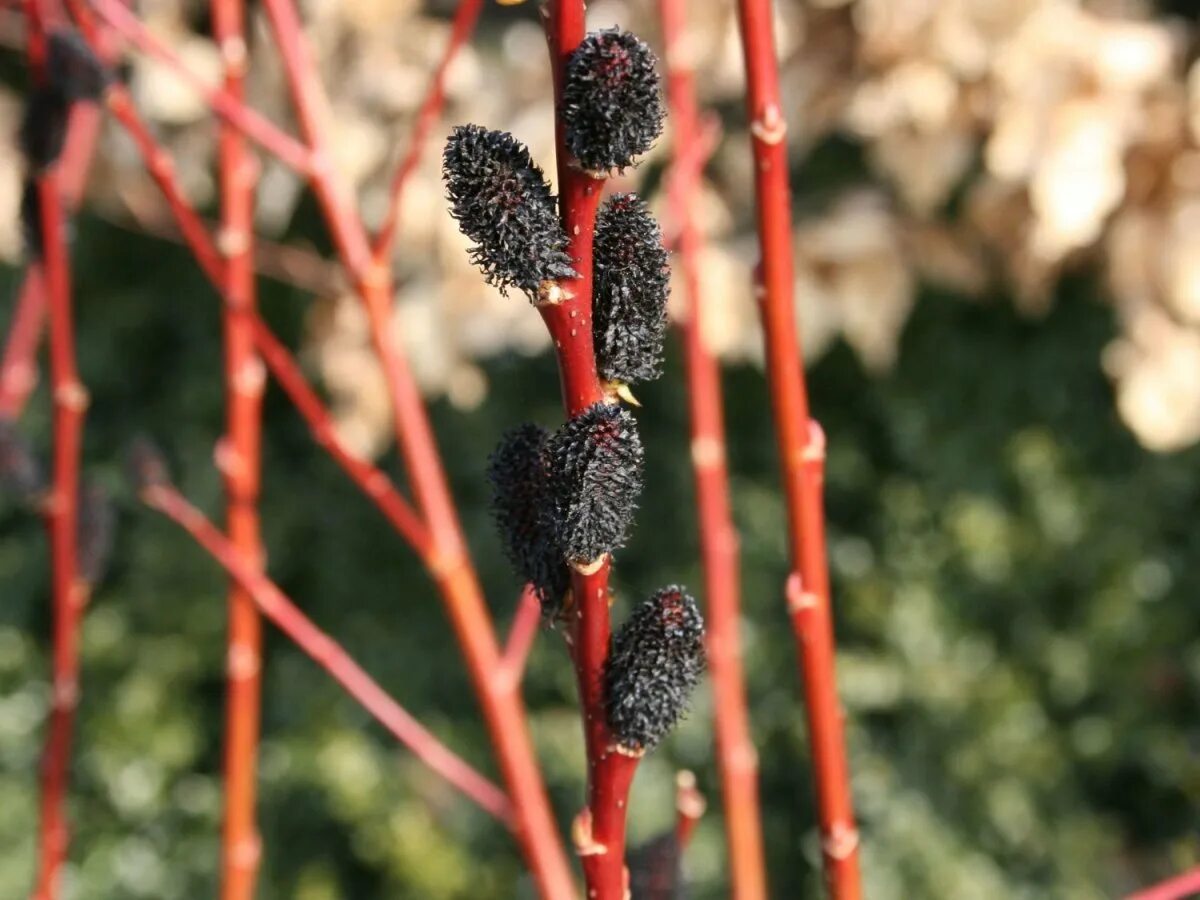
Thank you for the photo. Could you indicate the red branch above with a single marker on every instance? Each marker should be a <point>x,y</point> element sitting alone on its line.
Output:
<point>240,461</point>
<point>521,635</point>
<point>465,18</point>
<point>718,536</point>
<point>68,592</point>
<point>689,809</point>
<point>329,655</point>
<point>1185,885</point>
<point>449,562</point>
<point>600,829</point>
<point>801,453</point>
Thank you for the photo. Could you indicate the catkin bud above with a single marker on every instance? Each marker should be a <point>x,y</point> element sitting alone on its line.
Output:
<point>145,466</point>
<point>596,479</point>
<point>523,512</point>
<point>20,472</point>
<point>611,103</point>
<point>31,218</point>
<point>44,127</point>
<point>73,69</point>
<point>96,531</point>
<point>654,870</point>
<point>656,661</point>
<point>632,282</point>
<point>503,203</point>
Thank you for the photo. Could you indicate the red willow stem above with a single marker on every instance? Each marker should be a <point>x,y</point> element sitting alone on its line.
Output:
<point>802,453</point>
<point>68,592</point>
<point>328,654</point>
<point>599,831</point>
<point>450,565</point>
<point>465,18</point>
<point>718,535</point>
<point>240,461</point>
<point>689,807</point>
<point>18,365</point>
<point>1185,885</point>
<point>522,634</point>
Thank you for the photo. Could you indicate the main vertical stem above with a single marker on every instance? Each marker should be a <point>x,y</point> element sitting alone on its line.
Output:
<point>239,458</point>
<point>800,448</point>
<point>600,829</point>
<point>718,536</point>
<point>69,594</point>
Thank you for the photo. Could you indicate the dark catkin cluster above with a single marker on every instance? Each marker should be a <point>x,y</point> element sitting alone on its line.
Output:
<point>611,103</point>
<point>632,278</point>
<point>596,479</point>
<point>503,203</point>
<point>145,465</point>
<point>656,661</point>
<point>654,870</point>
<point>20,472</point>
<point>518,470</point>
<point>31,217</point>
<point>73,74</point>
<point>96,532</point>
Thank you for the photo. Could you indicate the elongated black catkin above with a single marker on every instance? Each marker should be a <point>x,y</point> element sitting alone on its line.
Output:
<point>596,479</point>
<point>632,283</point>
<point>611,102</point>
<point>503,203</point>
<point>654,870</point>
<point>20,472</point>
<point>523,511</point>
<point>656,661</point>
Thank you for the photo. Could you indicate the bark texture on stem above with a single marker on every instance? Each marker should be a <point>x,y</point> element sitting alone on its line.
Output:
<point>718,536</point>
<point>240,460</point>
<point>802,452</point>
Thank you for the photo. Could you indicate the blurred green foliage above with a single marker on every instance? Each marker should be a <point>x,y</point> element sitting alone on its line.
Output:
<point>1015,596</point>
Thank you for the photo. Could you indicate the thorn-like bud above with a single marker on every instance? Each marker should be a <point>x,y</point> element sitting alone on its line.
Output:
<point>523,512</point>
<point>503,203</point>
<point>654,869</point>
<point>74,70</point>
<point>20,472</point>
<point>145,465</point>
<point>632,282</point>
<point>96,532</point>
<point>611,103</point>
<point>656,661</point>
<point>597,462</point>
<point>44,127</point>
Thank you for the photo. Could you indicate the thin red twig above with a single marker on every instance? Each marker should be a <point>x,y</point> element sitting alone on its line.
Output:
<point>465,18</point>
<point>68,592</point>
<point>502,707</point>
<point>521,635</point>
<point>329,655</point>
<point>690,806</point>
<point>1185,885</point>
<point>718,535</point>
<point>240,460</point>
<point>802,453</point>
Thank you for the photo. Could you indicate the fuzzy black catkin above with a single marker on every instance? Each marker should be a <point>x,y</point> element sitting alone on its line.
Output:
<point>503,203</point>
<point>611,102</point>
<point>632,278</point>
<point>96,532</point>
<point>44,127</point>
<point>523,512</point>
<point>74,70</point>
<point>654,870</point>
<point>656,661</point>
<point>31,218</point>
<point>20,472</point>
<point>145,465</point>
<point>596,479</point>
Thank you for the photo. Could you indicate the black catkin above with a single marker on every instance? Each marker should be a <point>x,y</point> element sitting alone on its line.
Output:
<point>596,480</point>
<point>632,278</point>
<point>31,218</point>
<point>74,70</point>
<point>611,103</point>
<point>96,532</point>
<point>503,203</point>
<point>523,513</point>
<point>43,132</point>
<point>654,870</point>
<point>20,472</point>
<point>73,74</point>
<point>145,465</point>
<point>656,661</point>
